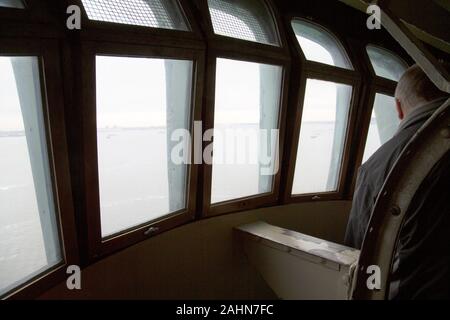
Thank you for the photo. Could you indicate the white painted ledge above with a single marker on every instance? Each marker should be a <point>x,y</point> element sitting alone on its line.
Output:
<point>298,266</point>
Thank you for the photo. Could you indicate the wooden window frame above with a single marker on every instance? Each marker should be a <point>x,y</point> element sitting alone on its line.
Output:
<point>117,39</point>
<point>34,11</point>
<point>53,110</point>
<point>34,21</point>
<point>98,246</point>
<point>303,70</point>
<point>242,50</point>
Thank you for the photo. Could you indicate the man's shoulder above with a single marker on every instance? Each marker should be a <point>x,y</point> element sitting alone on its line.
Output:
<point>380,163</point>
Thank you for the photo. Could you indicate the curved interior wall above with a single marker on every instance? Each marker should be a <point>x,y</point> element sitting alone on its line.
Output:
<point>200,260</point>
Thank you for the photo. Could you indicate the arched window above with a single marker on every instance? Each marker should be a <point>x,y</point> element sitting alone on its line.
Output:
<point>247,87</point>
<point>325,113</point>
<point>384,120</point>
<point>247,20</point>
<point>143,92</point>
<point>319,45</point>
<point>386,64</point>
<point>164,14</point>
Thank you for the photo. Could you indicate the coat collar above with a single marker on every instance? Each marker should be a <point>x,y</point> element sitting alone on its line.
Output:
<point>421,113</point>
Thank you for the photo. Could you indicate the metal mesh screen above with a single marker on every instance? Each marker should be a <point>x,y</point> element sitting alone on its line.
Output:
<point>148,13</point>
<point>248,20</point>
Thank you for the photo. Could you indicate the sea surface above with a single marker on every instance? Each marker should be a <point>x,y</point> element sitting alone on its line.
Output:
<point>134,187</point>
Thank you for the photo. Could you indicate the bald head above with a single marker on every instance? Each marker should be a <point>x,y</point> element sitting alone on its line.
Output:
<point>415,89</point>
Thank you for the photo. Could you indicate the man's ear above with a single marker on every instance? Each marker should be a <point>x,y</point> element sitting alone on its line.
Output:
<point>398,106</point>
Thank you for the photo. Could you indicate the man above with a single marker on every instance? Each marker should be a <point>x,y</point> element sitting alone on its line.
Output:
<point>416,100</point>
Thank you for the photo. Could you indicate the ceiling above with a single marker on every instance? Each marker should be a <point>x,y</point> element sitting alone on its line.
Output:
<point>428,20</point>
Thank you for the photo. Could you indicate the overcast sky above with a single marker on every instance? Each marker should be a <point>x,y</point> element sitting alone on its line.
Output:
<point>131,92</point>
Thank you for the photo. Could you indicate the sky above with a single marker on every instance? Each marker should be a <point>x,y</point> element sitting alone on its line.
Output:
<point>131,92</point>
<point>10,114</point>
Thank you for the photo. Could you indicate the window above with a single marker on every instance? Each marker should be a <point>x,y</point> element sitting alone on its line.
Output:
<point>164,14</point>
<point>29,237</point>
<point>18,4</point>
<point>140,102</point>
<point>319,45</point>
<point>247,20</point>
<point>383,124</point>
<point>247,100</point>
<point>384,120</point>
<point>385,64</point>
<point>322,137</point>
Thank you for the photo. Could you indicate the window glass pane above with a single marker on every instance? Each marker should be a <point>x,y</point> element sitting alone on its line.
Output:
<point>246,111</point>
<point>164,14</point>
<point>140,102</point>
<point>322,137</point>
<point>319,45</point>
<point>29,240</point>
<point>383,124</point>
<point>244,19</point>
<point>12,4</point>
<point>386,64</point>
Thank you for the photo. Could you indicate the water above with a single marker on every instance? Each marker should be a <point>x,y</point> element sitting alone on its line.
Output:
<point>21,241</point>
<point>135,189</point>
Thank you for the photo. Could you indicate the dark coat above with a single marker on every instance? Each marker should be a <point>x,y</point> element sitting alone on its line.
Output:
<point>422,264</point>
